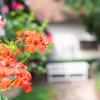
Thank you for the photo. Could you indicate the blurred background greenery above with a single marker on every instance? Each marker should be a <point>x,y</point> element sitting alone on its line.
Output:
<point>89,13</point>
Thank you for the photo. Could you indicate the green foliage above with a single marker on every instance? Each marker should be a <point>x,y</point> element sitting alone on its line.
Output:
<point>3,98</point>
<point>12,46</point>
<point>19,20</point>
<point>41,70</point>
<point>89,12</point>
<point>39,93</point>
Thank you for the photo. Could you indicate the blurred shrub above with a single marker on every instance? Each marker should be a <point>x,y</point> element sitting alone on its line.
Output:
<point>18,20</point>
<point>89,12</point>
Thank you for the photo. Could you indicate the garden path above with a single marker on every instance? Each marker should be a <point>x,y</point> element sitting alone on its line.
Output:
<point>75,91</point>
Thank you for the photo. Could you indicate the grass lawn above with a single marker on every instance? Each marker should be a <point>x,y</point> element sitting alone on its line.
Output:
<point>38,93</point>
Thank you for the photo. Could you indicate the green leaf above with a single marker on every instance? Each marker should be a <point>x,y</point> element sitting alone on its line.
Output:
<point>12,14</point>
<point>13,46</point>
<point>41,69</point>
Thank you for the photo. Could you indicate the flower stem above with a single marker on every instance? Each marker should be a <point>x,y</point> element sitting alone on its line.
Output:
<point>26,58</point>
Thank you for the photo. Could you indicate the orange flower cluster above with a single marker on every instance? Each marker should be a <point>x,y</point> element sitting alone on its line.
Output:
<point>32,40</point>
<point>6,52</point>
<point>13,73</point>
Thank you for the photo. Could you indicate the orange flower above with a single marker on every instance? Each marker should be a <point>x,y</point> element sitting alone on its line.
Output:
<point>19,34</point>
<point>37,38</point>
<point>28,40</point>
<point>32,40</point>
<point>5,84</point>
<point>40,37</point>
<point>25,75</point>
<point>27,88</point>
<point>6,52</point>
<point>42,46</point>
<point>18,82</point>
<point>1,72</point>
<point>27,33</point>
<point>31,48</point>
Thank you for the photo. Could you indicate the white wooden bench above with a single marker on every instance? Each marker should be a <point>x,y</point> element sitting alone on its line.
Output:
<point>68,71</point>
